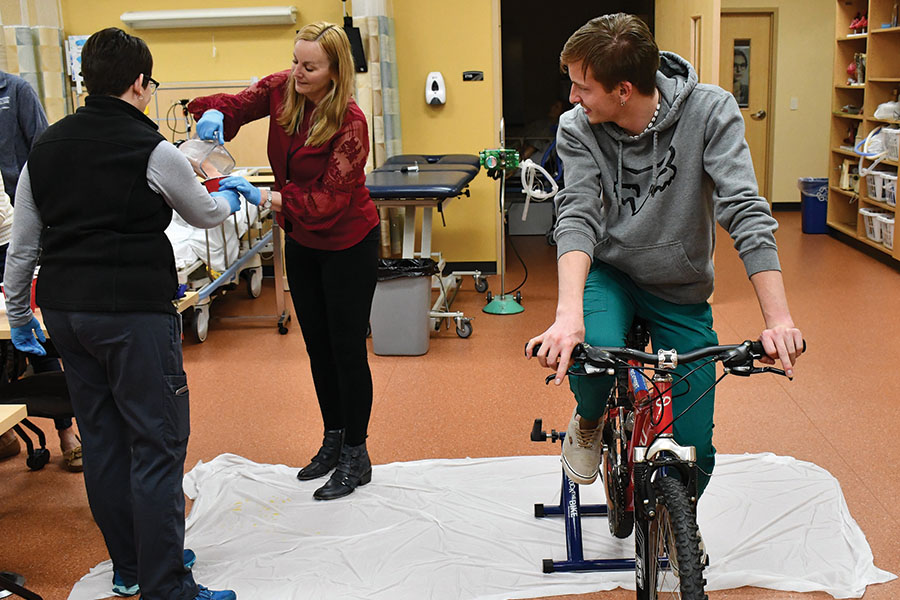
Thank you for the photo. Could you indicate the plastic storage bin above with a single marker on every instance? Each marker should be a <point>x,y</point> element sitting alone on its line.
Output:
<point>873,186</point>
<point>891,139</point>
<point>813,204</point>
<point>889,188</point>
<point>886,222</point>
<point>873,226</point>
<point>400,309</point>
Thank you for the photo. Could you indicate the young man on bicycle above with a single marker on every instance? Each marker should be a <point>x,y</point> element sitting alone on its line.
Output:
<point>653,160</point>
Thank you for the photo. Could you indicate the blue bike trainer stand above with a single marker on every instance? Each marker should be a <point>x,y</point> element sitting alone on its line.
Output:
<point>571,509</point>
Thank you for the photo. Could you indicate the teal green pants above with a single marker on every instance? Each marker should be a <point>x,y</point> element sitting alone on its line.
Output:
<point>611,302</point>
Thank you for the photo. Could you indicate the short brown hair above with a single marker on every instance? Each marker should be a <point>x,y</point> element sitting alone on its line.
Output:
<point>615,48</point>
<point>111,61</point>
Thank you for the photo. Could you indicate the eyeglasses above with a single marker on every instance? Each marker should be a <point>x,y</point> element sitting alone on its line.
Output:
<point>740,65</point>
<point>152,85</point>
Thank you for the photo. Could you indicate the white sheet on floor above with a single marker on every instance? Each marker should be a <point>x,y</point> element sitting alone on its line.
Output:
<point>465,529</point>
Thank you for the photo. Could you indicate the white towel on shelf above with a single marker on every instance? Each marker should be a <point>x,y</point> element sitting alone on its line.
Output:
<point>465,529</point>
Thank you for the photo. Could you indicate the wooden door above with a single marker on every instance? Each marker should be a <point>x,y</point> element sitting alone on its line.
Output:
<point>745,67</point>
<point>690,28</point>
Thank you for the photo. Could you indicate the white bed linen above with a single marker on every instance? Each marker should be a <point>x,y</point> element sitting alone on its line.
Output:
<point>189,242</point>
<point>465,529</point>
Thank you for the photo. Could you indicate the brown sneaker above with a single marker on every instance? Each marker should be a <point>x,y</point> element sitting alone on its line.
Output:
<point>72,460</point>
<point>582,452</point>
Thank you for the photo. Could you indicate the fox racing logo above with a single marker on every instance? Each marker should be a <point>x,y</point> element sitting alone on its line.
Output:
<point>633,196</point>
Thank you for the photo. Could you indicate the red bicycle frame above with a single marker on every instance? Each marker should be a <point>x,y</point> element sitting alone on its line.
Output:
<point>652,415</point>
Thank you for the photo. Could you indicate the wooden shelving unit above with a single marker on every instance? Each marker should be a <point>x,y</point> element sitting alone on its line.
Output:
<point>881,45</point>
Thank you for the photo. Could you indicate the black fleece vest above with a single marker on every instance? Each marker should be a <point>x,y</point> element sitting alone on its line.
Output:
<point>104,247</point>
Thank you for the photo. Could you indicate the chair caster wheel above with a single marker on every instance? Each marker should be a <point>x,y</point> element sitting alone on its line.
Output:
<point>38,459</point>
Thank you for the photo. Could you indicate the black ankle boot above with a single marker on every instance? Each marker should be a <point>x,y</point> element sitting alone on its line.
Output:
<point>353,469</point>
<point>326,458</point>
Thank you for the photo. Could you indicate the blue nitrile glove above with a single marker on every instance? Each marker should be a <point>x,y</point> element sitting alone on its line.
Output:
<point>211,126</point>
<point>234,201</point>
<point>247,189</point>
<point>23,337</point>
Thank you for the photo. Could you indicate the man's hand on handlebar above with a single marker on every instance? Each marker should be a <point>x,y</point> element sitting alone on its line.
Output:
<point>784,342</point>
<point>557,343</point>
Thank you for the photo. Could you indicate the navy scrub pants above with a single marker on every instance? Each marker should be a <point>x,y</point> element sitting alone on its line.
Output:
<point>130,397</point>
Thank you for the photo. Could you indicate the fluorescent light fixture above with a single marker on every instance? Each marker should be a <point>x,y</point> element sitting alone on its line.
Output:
<point>211,17</point>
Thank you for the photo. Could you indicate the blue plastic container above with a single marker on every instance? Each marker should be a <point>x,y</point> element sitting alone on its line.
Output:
<point>813,204</point>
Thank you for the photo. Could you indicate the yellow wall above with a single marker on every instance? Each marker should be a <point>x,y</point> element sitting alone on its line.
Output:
<point>452,37</point>
<point>187,54</point>
<point>803,70</point>
<point>431,36</point>
<point>673,32</point>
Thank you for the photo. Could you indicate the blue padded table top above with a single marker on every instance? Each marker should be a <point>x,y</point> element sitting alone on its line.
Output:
<point>464,168</point>
<point>408,159</point>
<point>418,184</point>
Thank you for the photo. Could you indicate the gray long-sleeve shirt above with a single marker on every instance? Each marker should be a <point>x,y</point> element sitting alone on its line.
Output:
<point>168,173</point>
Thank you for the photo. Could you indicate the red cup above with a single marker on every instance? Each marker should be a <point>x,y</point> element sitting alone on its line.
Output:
<point>212,184</point>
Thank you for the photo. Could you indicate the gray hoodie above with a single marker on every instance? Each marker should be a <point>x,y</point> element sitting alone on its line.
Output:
<point>648,206</point>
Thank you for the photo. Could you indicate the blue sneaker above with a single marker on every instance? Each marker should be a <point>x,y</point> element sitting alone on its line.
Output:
<point>208,594</point>
<point>119,587</point>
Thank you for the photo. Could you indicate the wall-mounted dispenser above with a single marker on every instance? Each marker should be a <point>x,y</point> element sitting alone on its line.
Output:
<point>435,90</point>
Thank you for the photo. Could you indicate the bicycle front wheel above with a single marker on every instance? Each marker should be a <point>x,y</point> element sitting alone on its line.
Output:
<point>672,535</point>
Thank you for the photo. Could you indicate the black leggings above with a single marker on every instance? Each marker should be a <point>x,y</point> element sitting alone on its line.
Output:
<point>332,294</point>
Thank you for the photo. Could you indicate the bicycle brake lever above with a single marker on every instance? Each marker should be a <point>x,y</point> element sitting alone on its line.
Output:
<point>774,370</point>
<point>747,371</point>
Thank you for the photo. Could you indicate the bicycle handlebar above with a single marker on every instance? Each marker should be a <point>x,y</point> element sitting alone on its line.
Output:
<point>736,358</point>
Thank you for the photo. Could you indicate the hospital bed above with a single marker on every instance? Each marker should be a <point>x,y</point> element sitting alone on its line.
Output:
<point>427,182</point>
<point>210,262</point>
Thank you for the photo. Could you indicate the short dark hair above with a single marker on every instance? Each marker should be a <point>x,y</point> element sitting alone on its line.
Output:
<point>111,60</point>
<point>615,48</point>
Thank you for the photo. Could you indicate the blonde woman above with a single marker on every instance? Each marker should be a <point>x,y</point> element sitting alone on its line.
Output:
<point>318,145</point>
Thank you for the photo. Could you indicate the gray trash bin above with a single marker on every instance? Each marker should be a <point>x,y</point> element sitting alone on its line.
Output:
<point>399,319</point>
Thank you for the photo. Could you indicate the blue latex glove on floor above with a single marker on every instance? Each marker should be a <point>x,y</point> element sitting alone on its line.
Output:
<point>211,126</point>
<point>247,189</point>
<point>23,338</point>
<point>234,201</point>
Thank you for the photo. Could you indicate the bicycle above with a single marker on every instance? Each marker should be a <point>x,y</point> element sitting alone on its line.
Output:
<point>650,480</point>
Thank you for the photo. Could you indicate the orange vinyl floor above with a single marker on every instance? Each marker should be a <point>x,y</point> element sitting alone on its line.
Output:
<point>252,395</point>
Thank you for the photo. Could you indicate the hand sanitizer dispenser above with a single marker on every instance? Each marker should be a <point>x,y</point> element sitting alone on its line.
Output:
<point>435,90</point>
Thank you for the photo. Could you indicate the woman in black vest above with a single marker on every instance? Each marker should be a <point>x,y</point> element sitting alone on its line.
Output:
<point>97,194</point>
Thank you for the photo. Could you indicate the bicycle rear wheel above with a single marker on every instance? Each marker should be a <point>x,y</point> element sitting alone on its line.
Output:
<point>673,534</point>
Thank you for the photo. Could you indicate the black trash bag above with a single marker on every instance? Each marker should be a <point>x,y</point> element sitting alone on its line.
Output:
<point>394,268</point>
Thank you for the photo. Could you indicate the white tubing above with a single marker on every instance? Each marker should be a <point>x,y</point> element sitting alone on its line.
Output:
<point>532,188</point>
<point>872,148</point>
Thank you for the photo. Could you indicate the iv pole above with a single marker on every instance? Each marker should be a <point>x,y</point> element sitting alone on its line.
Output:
<point>502,159</point>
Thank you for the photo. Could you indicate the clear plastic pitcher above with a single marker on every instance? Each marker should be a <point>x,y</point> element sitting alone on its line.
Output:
<point>208,158</point>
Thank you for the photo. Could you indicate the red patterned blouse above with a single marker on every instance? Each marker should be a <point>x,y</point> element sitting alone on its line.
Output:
<point>325,203</point>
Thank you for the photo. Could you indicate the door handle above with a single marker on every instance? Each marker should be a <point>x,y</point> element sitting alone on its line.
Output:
<point>758,115</point>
